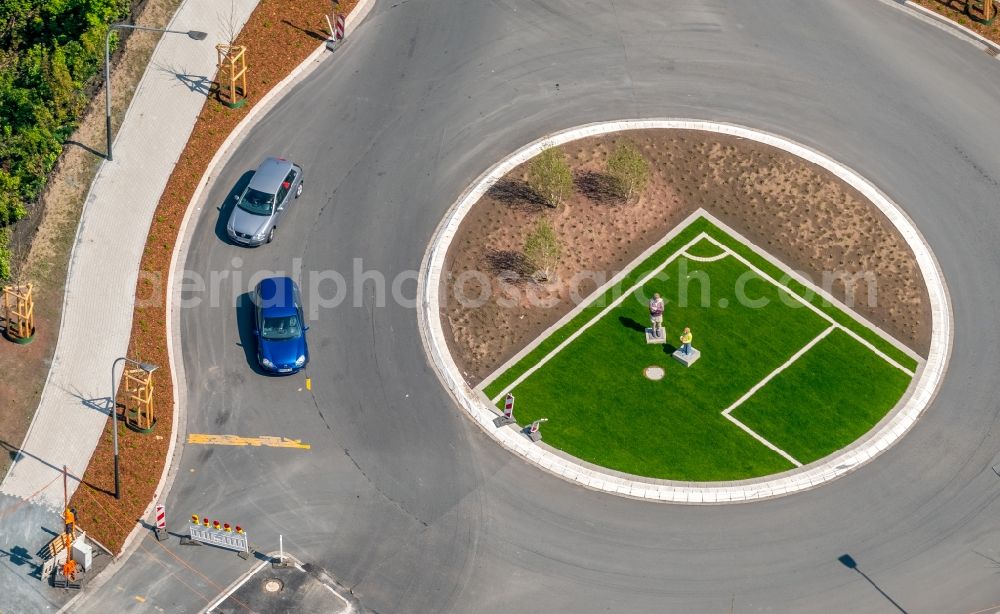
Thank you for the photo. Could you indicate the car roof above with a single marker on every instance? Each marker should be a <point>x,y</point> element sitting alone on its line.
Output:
<point>270,174</point>
<point>277,296</point>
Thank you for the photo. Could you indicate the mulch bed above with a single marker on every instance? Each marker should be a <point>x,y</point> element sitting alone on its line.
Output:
<point>962,11</point>
<point>797,211</point>
<point>279,35</point>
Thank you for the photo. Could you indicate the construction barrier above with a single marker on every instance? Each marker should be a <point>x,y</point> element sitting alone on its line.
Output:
<point>338,33</point>
<point>219,534</point>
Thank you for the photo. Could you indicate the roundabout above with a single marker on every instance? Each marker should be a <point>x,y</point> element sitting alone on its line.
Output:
<point>685,461</point>
<point>412,505</point>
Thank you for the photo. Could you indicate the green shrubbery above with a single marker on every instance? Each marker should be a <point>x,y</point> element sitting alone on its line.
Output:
<point>49,49</point>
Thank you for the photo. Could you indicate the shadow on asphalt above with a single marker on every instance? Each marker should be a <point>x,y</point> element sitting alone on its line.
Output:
<point>848,561</point>
<point>226,208</point>
<point>248,340</point>
<point>19,556</point>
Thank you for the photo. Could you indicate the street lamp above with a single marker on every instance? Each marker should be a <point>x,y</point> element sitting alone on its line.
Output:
<point>193,34</point>
<point>148,368</point>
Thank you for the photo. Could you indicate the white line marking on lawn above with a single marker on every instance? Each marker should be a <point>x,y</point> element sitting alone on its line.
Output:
<point>595,319</point>
<point>812,307</point>
<point>593,296</point>
<point>807,282</point>
<point>767,443</point>
<point>705,258</point>
<point>774,373</point>
<point>728,411</point>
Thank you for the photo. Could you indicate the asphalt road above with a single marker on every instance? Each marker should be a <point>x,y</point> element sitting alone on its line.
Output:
<point>403,499</point>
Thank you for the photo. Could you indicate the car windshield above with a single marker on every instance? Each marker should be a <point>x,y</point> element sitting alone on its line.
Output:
<point>256,202</point>
<point>286,327</point>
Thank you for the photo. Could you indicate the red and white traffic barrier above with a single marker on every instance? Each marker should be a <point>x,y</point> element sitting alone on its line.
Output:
<point>338,32</point>
<point>508,407</point>
<point>160,522</point>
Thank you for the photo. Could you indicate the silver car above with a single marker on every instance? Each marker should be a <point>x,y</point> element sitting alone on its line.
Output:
<point>264,202</point>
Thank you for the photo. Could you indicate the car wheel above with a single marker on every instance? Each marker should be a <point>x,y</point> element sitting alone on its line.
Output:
<point>298,190</point>
<point>270,235</point>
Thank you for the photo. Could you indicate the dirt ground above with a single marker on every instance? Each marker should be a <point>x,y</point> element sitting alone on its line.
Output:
<point>42,242</point>
<point>800,213</point>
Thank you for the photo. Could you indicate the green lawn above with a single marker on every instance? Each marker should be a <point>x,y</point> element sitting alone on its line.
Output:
<point>704,249</point>
<point>603,410</point>
<point>825,400</point>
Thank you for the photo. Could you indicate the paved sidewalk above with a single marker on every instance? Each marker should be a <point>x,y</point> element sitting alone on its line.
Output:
<point>97,314</point>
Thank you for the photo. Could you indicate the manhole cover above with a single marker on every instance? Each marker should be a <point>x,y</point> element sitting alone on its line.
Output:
<point>273,585</point>
<point>654,373</point>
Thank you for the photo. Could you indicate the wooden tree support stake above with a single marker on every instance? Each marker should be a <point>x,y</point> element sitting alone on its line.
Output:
<point>233,68</point>
<point>19,313</point>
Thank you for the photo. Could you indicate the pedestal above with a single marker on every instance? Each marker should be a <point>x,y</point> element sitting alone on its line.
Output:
<point>650,339</point>
<point>502,421</point>
<point>536,436</point>
<point>687,359</point>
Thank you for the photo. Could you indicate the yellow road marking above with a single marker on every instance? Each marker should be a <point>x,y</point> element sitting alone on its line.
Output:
<point>309,383</point>
<point>236,440</point>
<point>140,598</point>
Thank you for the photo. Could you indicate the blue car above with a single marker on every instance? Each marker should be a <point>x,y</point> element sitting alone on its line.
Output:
<point>279,326</point>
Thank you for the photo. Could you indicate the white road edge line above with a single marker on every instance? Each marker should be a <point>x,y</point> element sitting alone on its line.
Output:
<point>235,586</point>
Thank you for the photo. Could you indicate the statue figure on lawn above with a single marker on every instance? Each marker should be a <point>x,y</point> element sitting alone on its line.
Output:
<point>656,314</point>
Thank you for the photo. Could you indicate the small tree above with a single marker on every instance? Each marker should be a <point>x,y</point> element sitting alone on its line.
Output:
<point>629,168</point>
<point>542,249</point>
<point>550,176</point>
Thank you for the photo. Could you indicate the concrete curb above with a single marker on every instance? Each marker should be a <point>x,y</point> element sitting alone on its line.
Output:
<point>178,427</point>
<point>871,445</point>
<point>952,27</point>
<point>87,200</point>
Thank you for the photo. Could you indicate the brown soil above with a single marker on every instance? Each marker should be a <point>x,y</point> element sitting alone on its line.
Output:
<point>797,211</point>
<point>960,11</point>
<point>41,243</point>
<point>279,35</point>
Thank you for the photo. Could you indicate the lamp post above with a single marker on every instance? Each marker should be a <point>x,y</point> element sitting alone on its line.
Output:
<point>148,368</point>
<point>193,34</point>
